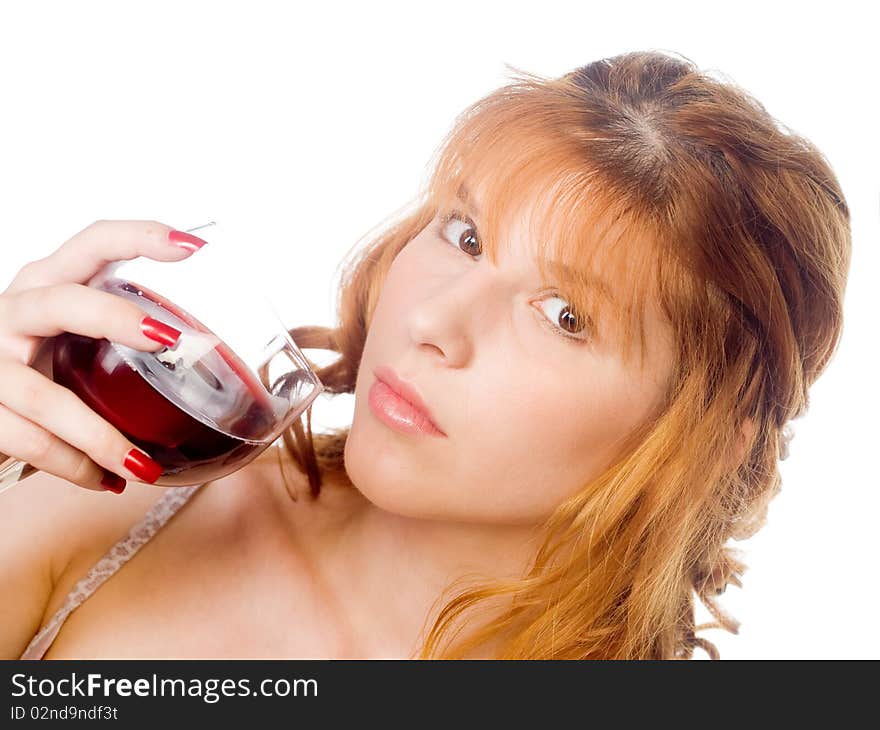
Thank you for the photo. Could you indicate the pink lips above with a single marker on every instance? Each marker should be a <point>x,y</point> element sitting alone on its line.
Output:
<point>397,404</point>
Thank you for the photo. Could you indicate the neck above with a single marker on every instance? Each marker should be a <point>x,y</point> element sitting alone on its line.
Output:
<point>389,572</point>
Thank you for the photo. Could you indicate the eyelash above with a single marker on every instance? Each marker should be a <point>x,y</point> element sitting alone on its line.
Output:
<point>456,215</point>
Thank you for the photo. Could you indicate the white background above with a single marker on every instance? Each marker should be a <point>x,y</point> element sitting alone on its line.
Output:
<point>311,126</point>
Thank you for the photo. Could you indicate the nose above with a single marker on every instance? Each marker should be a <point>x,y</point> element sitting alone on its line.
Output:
<point>450,320</point>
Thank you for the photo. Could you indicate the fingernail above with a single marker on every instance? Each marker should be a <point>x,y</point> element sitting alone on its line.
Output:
<point>142,466</point>
<point>159,331</point>
<point>186,240</point>
<point>112,482</point>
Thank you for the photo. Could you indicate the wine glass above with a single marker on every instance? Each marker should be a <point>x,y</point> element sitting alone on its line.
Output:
<point>210,404</point>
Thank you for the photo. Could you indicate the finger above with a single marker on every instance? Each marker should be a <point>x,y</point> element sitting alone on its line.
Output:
<point>50,310</point>
<point>86,253</point>
<point>61,412</point>
<point>26,441</point>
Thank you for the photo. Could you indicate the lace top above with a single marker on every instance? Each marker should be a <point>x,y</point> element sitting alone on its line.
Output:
<point>113,560</point>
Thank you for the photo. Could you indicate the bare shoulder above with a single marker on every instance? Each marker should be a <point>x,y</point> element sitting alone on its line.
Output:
<point>68,528</point>
<point>59,516</point>
<point>44,519</point>
<point>84,524</point>
<point>54,531</point>
<point>80,525</point>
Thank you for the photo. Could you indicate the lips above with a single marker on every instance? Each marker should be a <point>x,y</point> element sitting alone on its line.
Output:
<point>406,391</point>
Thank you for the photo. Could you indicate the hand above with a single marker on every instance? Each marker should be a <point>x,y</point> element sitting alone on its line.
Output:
<point>41,422</point>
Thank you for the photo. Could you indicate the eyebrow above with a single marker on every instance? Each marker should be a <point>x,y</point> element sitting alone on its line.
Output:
<point>464,195</point>
<point>597,282</point>
<point>562,270</point>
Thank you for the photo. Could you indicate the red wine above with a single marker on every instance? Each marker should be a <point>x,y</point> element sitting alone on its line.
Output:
<point>196,408</point>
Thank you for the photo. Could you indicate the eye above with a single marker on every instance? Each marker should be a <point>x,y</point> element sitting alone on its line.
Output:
<point>564,320</point>
<point>460,231</point>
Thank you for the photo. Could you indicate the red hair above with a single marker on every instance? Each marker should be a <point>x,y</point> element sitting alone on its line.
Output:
<point>737,229</point>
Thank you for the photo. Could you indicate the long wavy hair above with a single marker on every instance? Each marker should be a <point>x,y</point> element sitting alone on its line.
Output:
<point>737,228</point>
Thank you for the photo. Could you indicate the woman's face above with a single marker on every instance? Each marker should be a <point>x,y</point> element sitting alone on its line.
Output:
<point>529,415</point>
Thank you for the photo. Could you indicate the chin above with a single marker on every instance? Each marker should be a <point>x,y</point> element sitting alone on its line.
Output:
<point>386,483</point>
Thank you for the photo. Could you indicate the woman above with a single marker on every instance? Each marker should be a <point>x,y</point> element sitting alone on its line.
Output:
<point>612,296</point>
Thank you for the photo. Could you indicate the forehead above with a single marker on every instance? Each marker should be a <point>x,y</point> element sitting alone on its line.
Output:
<point>526,232</point>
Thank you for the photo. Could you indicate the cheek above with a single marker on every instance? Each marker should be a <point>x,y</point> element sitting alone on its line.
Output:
<point>406,277</point>
<point>537,441</point>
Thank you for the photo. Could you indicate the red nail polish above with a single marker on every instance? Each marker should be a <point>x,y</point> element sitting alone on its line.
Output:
<point>142,466</point>
<point>112,482</point>
<point>186,240</point>
<point>159,331</point>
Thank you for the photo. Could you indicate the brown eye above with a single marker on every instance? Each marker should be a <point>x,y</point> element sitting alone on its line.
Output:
<point>460,231</point>
<point>565,320</point>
